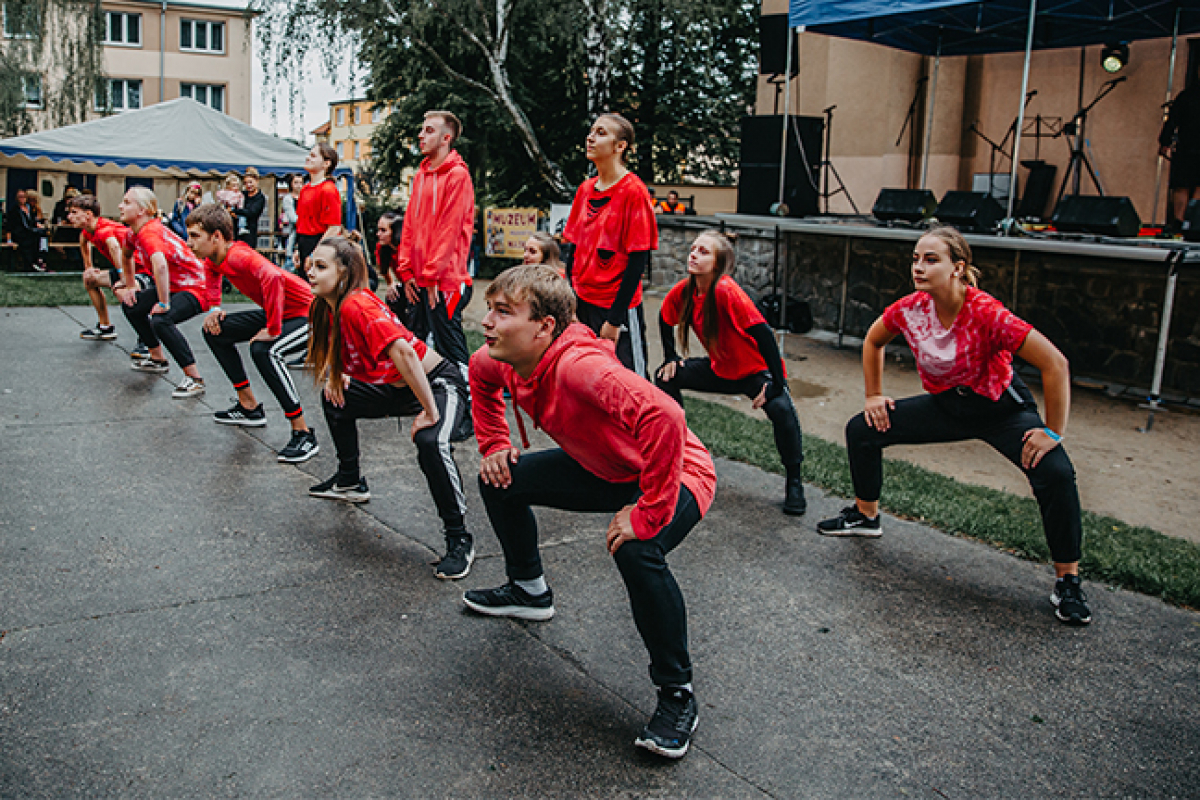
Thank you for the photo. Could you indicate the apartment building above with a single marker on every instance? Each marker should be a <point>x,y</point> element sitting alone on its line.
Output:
<point>351,125</point>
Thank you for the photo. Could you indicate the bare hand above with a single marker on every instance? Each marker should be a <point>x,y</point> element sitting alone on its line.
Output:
<point>610,332</point>
<point>157,308</point>
<point>620,530</point>
<point>424,420</point>
<point>262,336</point>
<point>393,292</point>
<point>335,391</point>
<point>494,469</point>
<point>876,412</point>
<point>760,399</point>
<point>435,296</point>
<point>410,291</point>
<point>667,371</point>
<point>1037,444</point>
<point>212,323</point>
<point>126,296</point>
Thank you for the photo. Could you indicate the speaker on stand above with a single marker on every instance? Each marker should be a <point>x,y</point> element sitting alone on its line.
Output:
<point>759,166</point>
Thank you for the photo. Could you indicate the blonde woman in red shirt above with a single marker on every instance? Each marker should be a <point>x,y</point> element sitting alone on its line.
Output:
<point>964,340</point>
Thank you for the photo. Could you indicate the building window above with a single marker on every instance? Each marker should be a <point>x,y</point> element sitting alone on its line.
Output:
<point>21,20</point>
<point>341,150</point>
<point>31,85</point>
<point>119,94</point>
<point>198,35</point>
<point>123,29</point>
<point>341,117</point>
<point>211,96</point>
<point>358,115</point>
<point>370,116</point>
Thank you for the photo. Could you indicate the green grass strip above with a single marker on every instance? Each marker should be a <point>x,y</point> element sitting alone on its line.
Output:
<point>61,290</point>
<point>1114,552</point>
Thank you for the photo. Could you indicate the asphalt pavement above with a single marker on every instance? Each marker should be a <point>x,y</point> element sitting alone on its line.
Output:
<point>179,619</point>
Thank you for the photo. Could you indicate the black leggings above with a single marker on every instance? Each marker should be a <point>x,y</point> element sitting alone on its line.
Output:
<point>697,374</point>
<point>270,357</point>
<point>631,343</point>
<point>160,328</point>
<point>441,327</point>
<point>305,243</point>
<point>553,479</point>
<point>958,415</point>
<point>434,453</point>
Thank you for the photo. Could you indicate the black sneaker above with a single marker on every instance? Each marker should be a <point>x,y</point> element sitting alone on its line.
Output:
<point>100,333</point>
<point>794,504</point>
<point>669,731</point>
<point>460,555</point>
<point>140,353</point>
<point>850,522</point>
<point>358,493</point>
<point>303,446</point>
<point>1070,603</point>
<point>237,414</point>
<point>511,600</point>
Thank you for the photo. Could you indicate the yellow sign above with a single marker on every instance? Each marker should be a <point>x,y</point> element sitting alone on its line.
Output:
<point>506,229</point>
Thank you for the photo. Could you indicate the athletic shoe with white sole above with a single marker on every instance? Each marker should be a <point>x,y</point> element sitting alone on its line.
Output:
<point>669,731</point>
<point>330,490</point>
<point>151,365</point>
<point>140,353</point>
<point>302,446</point>
<point>511,600</point>
<point>188,387</point>
<point>100,333</point>
<point>851,522</point>
<point>1070,603</point>
<point>460,555</point>
<point>237,414</point>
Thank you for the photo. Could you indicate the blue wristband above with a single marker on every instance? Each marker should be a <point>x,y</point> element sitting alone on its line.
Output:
<point>1052,435</point>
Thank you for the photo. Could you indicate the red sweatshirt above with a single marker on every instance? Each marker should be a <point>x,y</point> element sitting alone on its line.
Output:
<point>438,223</point>
<point>610,420</point>
<point>108,229</point>
<point>187,273</point>
<point>276,291</point>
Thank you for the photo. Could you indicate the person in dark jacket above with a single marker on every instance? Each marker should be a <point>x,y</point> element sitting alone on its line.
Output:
<point>255,203</point>
<point>1179,141</point>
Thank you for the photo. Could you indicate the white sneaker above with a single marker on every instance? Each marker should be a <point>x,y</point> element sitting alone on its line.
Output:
<point>188,387</point>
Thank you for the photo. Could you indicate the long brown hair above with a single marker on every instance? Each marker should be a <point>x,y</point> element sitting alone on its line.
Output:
<point>726,258</point>
<point>324,315</point>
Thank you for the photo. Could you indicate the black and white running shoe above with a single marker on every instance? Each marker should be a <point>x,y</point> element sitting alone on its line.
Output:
<point>460,555</point>
<point>237,414</point>
<point>511,600</point>
<point>669,731</point>
<point>359,493</point>
<point>851,522</point>
<point>188,387</point>
<point>1070,603</point>
<point>140,353</point>
<point>302,446</point>
<point>100,333</point>
<point>150,365</point>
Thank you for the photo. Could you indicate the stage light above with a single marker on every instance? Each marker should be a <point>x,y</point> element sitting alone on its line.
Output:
<point>1114,57</point>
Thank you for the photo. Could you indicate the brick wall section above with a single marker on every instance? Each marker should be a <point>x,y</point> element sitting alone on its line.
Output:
<point>1104,314</point>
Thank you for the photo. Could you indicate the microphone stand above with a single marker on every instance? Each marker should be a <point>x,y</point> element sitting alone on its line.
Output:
<point>1079,160</point>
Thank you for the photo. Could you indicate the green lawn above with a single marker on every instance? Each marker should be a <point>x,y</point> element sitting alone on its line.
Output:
<point>59,290</point>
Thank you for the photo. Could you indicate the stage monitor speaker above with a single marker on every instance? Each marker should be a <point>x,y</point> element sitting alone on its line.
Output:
<point>976,212</point>
<point>772,50</point>
<point>758,169</point>
<point>1191,221</point>
<point>1103,216</point>
<point>1039,183</point>
<point>905,205</point>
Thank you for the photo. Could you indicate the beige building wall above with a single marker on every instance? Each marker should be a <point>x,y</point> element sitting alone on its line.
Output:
<point>351,134</point>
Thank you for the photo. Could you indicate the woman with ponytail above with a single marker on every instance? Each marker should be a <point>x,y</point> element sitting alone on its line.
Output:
<point>964,340</point>
<point>371,366</point>
<point>742,355</point>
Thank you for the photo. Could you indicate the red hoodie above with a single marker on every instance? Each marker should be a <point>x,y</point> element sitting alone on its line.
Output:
<point>613,422</point>
<point>438,223</point>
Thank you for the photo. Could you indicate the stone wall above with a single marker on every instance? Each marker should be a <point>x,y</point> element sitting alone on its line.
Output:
<point>1104,314</point>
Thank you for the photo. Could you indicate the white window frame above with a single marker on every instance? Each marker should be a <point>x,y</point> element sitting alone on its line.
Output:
<point>10,35</point>
<point>340,116</point>
<point>125,104</point>
<point>209,26</point>
<point>340,149</point>
<point>358,115</point>
<point>124,16</point>
<point>26,80</point>
<point>187,89</point>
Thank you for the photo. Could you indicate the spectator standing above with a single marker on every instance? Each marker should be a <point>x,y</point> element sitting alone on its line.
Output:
<point>287,218</point>
<point>254,203</point>
<point>1179,141</point>
<point>183,206</point>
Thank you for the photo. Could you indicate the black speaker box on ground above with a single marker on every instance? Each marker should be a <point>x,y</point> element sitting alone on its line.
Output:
<point>906,205</point>
<point>772,50</point>
<point>1191,222</point>
<point>758,181</point>
<point>977,212</point>
<point>1103,216</point>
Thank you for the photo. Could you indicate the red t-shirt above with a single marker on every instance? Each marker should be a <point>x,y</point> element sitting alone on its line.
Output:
<point>605,228</point>
<point>107,229</point>
<point>278,292</point>
<point>368,329</point>
<point>187,272</point>
<point>975,352</point>
<point>737,355</point>
<point>318,209</point>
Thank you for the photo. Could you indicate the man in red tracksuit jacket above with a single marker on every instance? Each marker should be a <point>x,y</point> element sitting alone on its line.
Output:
<point>436,241</point>
<point>624,447</point>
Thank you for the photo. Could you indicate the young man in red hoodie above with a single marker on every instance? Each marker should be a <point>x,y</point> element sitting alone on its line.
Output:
<point>277,330</point>
<point>624,447</point>
<point>436,241</point>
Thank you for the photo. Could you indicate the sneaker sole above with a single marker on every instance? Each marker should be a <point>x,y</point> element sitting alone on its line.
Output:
<point>666,752</point>
<point>445,576</point>
<point>345,497</point>
<point>860,533</point>
<point>242,423</point>
<point>795,512</point>
<point>514,612</point>
<point>186,395</point>
<point>282,459</point>
<point>139,366</point>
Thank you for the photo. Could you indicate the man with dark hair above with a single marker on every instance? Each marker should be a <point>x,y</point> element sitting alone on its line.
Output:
<point>671,205</point>
<point>624,447</point>
<point>109,238</point>
<point>277,329</point>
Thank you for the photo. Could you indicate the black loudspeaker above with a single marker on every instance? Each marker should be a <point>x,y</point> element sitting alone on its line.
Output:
<point>1191,222</point>
<point>906,205</point>
<point>1104,216</point>
<point>977,212</point>
<point>758,181</point>
<point>772,46</point>
<point>1039,183</point>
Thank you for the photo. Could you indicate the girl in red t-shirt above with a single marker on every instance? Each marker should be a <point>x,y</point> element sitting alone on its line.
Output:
<point>371,366</point>
<point>319,207</point>
<point>742,355</point>
<point>964,340</point>
<point>387,241</point>
<point>613,230</point>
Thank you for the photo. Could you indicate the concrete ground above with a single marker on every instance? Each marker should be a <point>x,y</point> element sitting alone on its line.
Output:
<point>178,619</point>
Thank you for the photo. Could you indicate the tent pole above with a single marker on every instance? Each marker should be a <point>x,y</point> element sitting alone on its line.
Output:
<point>1170,90</point>
<point>937,62</point>
<point>787,113</point>
<point>1154,401</point>
<point>1016,159</point>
